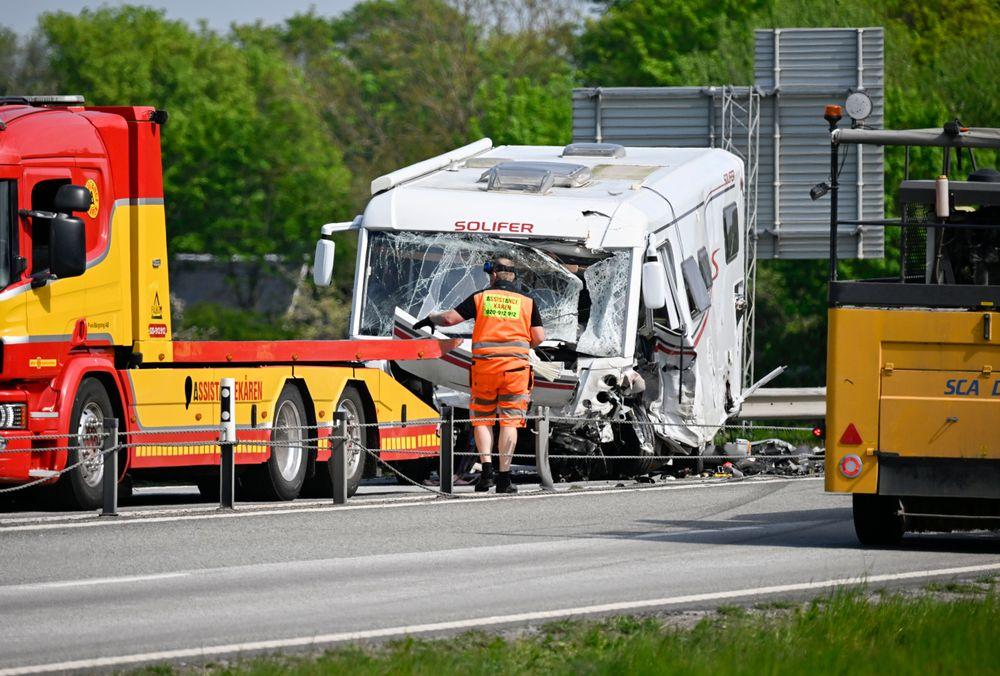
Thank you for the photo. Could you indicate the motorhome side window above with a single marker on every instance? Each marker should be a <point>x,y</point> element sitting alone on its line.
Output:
<point>666,316</point>
<point>731,225</point>
<point>705,266</point>
<point>697,291</point>
<point>8,221</point>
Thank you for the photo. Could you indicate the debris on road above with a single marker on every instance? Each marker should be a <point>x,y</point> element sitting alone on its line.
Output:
<point>779,457</point>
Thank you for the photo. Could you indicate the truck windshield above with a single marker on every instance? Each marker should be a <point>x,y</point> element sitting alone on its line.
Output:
<point>581,304</point>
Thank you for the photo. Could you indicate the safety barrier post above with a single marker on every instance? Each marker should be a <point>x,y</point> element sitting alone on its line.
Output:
<point>227,439</point>
<point>110,464</point>
<point>338,458</point>
<point>446,467</point>
<point>542,450</point>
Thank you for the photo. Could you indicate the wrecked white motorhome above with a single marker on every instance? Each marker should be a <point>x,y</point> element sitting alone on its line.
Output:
<point>635,257</point>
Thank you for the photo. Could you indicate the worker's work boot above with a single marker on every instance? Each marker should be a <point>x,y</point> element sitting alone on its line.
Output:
<point>504,485</point>
<point>485,478</point>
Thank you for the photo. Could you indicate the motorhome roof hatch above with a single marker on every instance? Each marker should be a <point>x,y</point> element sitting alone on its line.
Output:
<point>587,149</point>
<point>535,177</point>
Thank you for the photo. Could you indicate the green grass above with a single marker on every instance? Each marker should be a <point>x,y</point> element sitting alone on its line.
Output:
<point>846,633</point>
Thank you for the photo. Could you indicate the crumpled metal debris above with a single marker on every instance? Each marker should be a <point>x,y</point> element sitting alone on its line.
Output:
<point>779,457</point>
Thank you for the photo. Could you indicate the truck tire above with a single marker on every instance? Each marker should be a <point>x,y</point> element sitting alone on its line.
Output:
<point>282,476</point>
<point>877,521</point>
<point>352,406</point>
<point>82,487</point>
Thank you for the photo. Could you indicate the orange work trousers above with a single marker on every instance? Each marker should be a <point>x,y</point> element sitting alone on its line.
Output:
<point>501,389</point>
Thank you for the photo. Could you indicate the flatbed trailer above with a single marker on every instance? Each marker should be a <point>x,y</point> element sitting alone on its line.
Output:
<point>913,366</point>
<point>86,331</point>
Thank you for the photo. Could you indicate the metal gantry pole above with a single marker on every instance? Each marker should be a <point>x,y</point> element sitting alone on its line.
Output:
<point>227,439</point>
<point>834,195</point>
<point>542,451</point>
<point>832,118</point>
<point>338,458</point>
<point>446,468</point>
<point>110,464</point>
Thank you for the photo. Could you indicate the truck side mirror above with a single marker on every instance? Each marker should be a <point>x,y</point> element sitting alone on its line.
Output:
<point>323,263</point>
<point>654,285</point>
<point>67,245</point>
<point>71,199</point>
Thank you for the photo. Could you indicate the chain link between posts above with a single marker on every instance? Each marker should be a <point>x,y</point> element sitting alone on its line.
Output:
<point>69,468</point>
<point>135,440</point>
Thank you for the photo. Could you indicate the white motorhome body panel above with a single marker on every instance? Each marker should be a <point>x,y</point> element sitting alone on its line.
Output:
<point>667,204</point>
<point>453,371</point>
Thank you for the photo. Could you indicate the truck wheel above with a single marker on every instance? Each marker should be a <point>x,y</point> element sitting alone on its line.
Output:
<point>352,406</point>
<point>876,519</point>
<point>82,486</point>
<point>281,477</point>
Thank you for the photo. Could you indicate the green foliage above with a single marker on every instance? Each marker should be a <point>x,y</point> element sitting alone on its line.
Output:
<point>521,112</point>
<point>672,42</point>
<point>318,314</point>
<point>246,168</point>
<point>843,634</point>
<point>212,321</point>
<point>403,81</point>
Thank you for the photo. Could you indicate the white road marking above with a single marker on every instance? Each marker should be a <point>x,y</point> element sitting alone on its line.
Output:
<point>494,620</point>
<point>62,584</point>
<point>139,518</point>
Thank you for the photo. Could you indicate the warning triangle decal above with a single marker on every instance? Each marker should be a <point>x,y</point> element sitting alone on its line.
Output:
<point>850,437</point>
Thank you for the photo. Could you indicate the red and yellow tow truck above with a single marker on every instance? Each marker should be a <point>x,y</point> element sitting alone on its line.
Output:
<point>86,329</point>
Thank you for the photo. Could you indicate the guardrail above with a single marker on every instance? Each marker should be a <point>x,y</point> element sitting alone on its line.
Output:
<point>785,403</point>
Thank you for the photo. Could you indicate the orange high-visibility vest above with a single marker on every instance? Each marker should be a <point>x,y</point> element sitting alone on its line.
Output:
<point>502,329</point>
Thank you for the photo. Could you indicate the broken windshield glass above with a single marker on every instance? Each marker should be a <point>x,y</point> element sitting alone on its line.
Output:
<point>423,273</point>
<point>607,283</point>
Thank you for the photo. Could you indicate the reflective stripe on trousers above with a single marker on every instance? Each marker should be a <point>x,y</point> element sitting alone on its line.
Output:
<point>506,343</point>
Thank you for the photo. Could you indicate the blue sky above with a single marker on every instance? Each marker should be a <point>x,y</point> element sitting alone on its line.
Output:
<point>21,15</point>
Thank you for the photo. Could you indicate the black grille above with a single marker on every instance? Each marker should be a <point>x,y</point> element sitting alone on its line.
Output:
<point>913,243</point>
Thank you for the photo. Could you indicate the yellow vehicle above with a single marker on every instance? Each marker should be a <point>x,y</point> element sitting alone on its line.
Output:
<point>86,333</point>
<point>913,366</point>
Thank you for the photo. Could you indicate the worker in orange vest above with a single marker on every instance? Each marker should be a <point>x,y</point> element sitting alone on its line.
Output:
<point>507,325</point>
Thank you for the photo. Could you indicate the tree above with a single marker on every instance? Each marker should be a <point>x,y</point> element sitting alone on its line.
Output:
<point>247,170</point>
<point>667,42</point>
<point>520,111</point>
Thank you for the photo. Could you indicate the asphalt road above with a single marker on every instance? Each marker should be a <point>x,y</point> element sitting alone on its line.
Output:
<point>182,584</point>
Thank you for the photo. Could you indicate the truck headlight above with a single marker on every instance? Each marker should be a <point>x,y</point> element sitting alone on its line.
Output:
<point>12,416</point>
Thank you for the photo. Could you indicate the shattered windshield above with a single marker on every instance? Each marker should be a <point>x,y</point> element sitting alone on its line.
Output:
<point>429,272</point>
<point>607,283</point>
